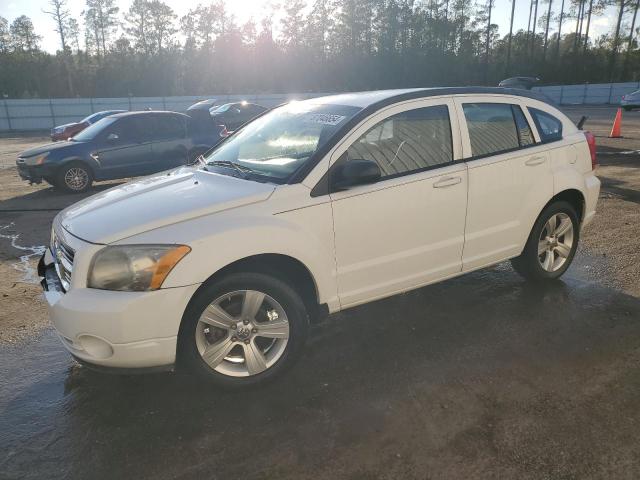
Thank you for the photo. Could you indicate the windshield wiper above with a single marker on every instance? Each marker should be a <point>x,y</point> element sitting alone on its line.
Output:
<point>241,169</point>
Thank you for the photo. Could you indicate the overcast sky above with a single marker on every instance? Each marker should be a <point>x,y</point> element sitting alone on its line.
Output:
<point>243,10</point>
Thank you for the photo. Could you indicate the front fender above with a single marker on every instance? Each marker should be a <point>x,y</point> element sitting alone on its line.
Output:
<point>221,239</point>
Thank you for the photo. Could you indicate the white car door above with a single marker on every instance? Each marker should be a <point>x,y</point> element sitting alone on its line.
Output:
<point>510,177</point>
<point>407,229</point>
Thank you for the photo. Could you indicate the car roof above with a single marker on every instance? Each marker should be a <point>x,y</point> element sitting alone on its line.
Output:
<point>386,97</point>
<point>147,112</point>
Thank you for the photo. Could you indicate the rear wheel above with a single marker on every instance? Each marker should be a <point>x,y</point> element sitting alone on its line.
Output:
<point>551,245</point>
<point>74,177</point>
<point>243,330</point>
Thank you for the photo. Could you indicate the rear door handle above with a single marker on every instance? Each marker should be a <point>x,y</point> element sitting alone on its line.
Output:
<point>534,161</point>
<point>447,182</point>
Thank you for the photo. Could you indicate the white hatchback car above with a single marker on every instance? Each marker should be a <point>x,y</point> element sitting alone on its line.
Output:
<point>312,208</point>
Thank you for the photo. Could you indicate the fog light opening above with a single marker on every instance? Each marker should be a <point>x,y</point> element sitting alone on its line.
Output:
<point>96,347</point>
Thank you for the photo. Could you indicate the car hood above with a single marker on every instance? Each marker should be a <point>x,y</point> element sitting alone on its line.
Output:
<point>157,201</point>
<point>48,148</point>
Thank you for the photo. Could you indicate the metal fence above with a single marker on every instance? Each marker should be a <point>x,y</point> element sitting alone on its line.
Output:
<point>42,114</point>
<point>588,93</point>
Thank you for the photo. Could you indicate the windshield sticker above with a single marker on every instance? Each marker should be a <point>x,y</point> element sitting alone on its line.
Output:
<point>323,118</point>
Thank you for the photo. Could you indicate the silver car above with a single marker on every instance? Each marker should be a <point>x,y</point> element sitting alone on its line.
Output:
<point>630,100</point>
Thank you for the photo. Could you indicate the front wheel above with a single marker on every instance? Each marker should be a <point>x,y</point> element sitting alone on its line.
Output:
<point>243,330</point>
<point>75,177</point>
<point>551,245</point>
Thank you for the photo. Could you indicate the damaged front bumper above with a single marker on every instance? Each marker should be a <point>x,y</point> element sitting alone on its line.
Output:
<point>34,173</point>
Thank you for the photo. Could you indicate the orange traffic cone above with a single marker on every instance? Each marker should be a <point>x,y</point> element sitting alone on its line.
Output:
<point>617,124</point>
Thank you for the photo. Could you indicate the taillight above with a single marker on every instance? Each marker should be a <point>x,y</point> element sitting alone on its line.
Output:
<point>591,141</point>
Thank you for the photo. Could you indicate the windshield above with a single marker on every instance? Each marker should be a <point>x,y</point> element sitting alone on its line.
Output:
<point>220,109</point>
<point>94,117</point>
<point>92,131</point>
<point>276,144</point>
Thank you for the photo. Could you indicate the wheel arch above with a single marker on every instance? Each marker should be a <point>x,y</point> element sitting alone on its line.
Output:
<point>572,196</point>
<point>283,267</point>
<point>64,163</point>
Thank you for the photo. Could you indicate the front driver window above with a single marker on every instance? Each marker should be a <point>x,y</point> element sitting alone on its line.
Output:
<point>407,142</point>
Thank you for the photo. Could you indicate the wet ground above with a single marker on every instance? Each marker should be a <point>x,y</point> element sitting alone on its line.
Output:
<point>484,376</point>
<point>479,377</point>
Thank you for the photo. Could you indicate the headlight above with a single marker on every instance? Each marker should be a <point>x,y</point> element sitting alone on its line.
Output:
<point>134,268</point>
<point>36,160</point>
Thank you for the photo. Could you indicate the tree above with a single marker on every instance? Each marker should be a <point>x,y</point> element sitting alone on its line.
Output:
<point>137,24</point>
<point>546,31</point>
<point>60,15</point>
<point>101,18</point>
<point>560,19</point>
<point>23,35</point>
<point>5,37</point>
<point>630,44</point>
<point>535,20</point>
<point>292,24</point>
<point>513,10</point>
<point>189,28</point>
<point>73,32</point>
<point>616,41</point>
<point>586,33</point>
<point>162,24</point>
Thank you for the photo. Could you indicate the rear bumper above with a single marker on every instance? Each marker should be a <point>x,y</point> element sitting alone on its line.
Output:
<point>592,191</point>
<point>122,330</point>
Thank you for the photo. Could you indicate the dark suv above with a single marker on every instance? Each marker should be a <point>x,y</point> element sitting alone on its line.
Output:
<point>119,146</point>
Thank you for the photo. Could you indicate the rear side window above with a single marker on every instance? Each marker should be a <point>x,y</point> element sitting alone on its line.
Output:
<point>408,142</point>
<point>491,128</point>
<point>169,127</point>
<point>549,127</point>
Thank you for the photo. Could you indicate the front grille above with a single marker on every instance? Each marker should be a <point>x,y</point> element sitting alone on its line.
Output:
<point>63,255</point>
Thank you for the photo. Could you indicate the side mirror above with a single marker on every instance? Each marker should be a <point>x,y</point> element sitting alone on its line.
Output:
<point>355,172</point>
<point>113,137</point>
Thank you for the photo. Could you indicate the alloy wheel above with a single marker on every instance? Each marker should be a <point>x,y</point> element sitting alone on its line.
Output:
<point>242,333</point>
<point>76,178</point>
<point>555,242</point>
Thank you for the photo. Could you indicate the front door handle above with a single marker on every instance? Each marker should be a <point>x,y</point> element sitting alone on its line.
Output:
<point>447,182</point>
<point>535,161</point>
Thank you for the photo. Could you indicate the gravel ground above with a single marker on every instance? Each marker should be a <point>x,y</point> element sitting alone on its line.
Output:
<point>613,237</point>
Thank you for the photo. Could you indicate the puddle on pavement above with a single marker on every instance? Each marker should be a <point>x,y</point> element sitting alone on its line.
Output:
<point>26,260</point>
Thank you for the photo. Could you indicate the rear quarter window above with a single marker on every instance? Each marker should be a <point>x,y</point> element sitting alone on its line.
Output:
<point>549,127</point>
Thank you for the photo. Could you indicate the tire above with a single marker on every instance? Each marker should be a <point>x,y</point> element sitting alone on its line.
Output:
<point>559,250</point>
<point>68,182</point>
<point>219,333</point>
